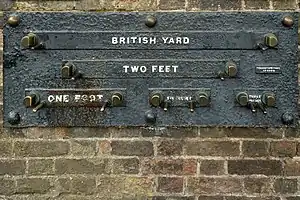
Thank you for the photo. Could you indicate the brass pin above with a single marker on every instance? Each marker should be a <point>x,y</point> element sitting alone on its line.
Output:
<point>252,107</point>
<point>166,105</point>
<point>38,107</point>
<point>103,106</point>
<point>262,108</point>
<point>192,106</point>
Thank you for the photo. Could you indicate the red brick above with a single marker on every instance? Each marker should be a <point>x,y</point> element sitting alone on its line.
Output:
<point>283,148</point>
<point>170,184</point>
<point>201,185</point>
<point>169,166</point>
<point>82,166</point>
<point>291,167</point>
<point>248,167</point>
<point>12,167</point>
<point>33,185</point>
<point>255,148</point>
<point>286,186</point>
<point>104,147</point>
<point>238,132</point>
<point>125,166</point>
<point>212,148</point>
<point>121,186</point>
<point>257,185</point>
<point>170,147</point>
<point>284,4</point>
<point>257,4</point>
<point>132,148</point>
<point>41,148</point>
<point>212,167</point>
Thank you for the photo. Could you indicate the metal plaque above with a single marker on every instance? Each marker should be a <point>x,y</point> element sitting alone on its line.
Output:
<point>150,69</point>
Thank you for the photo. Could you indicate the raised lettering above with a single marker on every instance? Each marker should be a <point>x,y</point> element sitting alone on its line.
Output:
<point>114,40</point>
<point>51,98</point>
<point>126,68</point>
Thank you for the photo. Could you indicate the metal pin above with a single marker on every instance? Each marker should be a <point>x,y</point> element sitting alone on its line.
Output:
<point>166,105</point>
<point>192,106</point>
<point>221,75</point>
<point>252,107</point>
<point>262,46</point>
<point>103,107</point>
<point>38,107</point>
<point>76,76</point>
<point>262,108</point>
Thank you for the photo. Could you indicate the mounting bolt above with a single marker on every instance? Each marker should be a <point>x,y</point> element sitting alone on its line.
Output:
<point>150,116</point>
<point>13,118</point>
<point>13,20</point>
<point>271,40</point>
<point>287,118</point>
<point>150,21</point>
<point>288,21</point>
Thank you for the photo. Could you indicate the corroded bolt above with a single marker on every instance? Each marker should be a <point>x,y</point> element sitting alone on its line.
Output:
<point>13,118</point>
<point>13,20</point>
<point>288,21</point>
<point>287,118</point>
<point>242,98</point>
<point>29,40</point>
<point>271,40</point>
<point>150,21</point>
<point>231,69</point>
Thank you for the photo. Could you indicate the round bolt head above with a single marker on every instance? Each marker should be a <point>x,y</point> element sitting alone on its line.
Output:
<point>13,118</point>
<point>116,99</point>
<point>242,98</point>
<point>231,69</point>
<point>271,40</point>
<point>13,20</point>
<point>150,21</point>
<point>150,117</point>
<point>25,42</point>
<point>287,118</point>
<point>269,100</point>
<point>28,101</point>
<point>288,21</point>
<point>203,100</point>
<point>29,40</point>
<point>155,100</point>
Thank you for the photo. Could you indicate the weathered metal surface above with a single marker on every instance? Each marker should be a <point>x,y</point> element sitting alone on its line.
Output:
<point>172,69</point>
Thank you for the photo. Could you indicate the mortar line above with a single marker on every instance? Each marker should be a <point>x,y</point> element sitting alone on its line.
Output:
<point>271,4</point>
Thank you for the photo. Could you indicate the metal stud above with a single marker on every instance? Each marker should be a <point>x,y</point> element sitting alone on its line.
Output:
<point>288,21</point>
<point>150,21</point>
<point>13,20</point>
<point>13,118</point>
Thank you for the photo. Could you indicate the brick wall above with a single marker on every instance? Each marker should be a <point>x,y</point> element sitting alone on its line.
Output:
<point>163,164</point>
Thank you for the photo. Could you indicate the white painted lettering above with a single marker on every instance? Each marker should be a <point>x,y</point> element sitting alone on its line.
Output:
<point>134,68</point>
<point>122,40</point>
<point>77,97</point>
<point>152,40</point>
<point>165,39</point>
<point>92,98</point>
<point>161,68</point>
<point>100,96</point>
<point>114,40</point>
<point>126,68</point>
<point>186,40</point>
<point>175,68</point>
<point>178,40</point>
<point>143,69</point>
<point>51,98</point>
<point>164,68</point>
<point>66,98</point>
<point>84,97</point>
